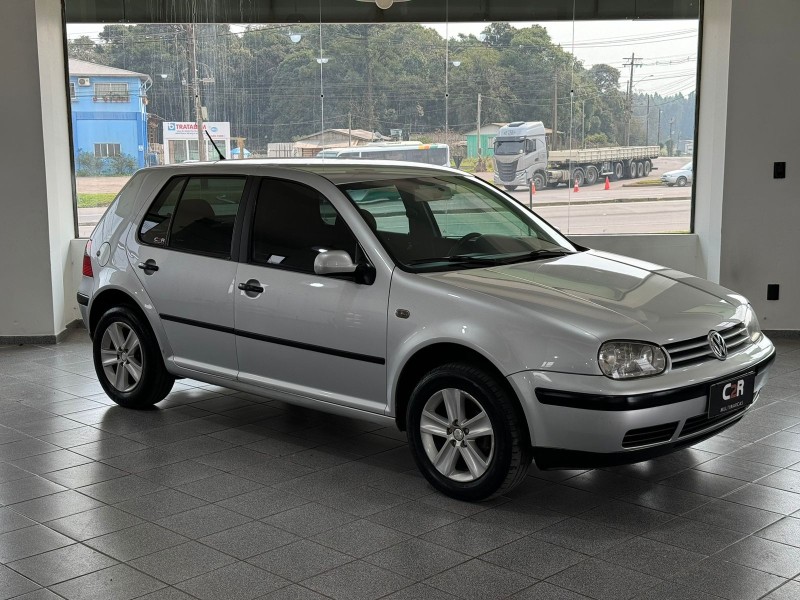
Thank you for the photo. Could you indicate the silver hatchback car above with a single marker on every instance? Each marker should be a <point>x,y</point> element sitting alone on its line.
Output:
<point>418,296</point>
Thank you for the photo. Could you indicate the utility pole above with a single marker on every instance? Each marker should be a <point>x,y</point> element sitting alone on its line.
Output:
<point>658,134</point>
<point>671,147</point>
<point>198,106</point>
<point>554,140</point>
<point>583,124</point>
<point>630,62</point>
<point>647,123</point>
<point>480,153</point>
<point>349,129</point>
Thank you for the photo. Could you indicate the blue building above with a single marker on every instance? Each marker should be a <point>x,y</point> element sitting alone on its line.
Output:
<point>109,111</point>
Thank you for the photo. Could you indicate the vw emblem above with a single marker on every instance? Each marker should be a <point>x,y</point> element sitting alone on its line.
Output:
<point>717,344</point>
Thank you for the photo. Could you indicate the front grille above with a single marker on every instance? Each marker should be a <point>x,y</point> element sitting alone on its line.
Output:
<point>701,422</point>
<point>697,350</point>
<point>649,435</point>
<point>507,171</point>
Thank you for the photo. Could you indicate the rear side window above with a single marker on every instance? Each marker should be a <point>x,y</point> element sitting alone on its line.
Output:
<point>195,214</point>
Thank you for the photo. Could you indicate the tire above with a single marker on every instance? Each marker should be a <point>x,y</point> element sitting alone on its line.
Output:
<point>511,188</point>
<point>578,177</point>
<point>112,341</point>
<point>539,181</point>
<point>648,167</point>
<point>630,170</point>
<point>639,169</point>
<point>619,171</point>
<point>681,182</point>
<point>592,174</point>
<point>503,457</point>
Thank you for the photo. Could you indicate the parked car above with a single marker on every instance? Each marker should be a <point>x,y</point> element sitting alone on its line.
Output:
<point>416,296</point>
<point>679,177</point>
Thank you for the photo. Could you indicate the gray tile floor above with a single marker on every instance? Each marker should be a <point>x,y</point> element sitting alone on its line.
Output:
<point>224,495</point>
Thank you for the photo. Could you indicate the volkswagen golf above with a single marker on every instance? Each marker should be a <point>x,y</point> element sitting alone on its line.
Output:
<point>416,296</point>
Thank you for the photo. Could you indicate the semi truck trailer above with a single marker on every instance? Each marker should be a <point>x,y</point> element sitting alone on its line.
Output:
<point>522,156</point>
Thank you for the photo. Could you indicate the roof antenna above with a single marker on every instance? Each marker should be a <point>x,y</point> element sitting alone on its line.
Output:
<point>210,139</point>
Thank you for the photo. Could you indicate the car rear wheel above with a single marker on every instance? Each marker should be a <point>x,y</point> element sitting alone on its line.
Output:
<point>127,360</point>
<point>465,434</point>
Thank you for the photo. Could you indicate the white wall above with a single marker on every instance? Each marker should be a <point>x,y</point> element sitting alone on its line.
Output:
<point>760,243</point>
<point>37,221</point>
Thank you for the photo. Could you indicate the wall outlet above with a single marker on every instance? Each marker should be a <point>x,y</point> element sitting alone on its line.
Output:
<point>773,291</point>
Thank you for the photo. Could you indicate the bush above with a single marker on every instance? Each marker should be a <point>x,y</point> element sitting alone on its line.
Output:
<point>469,164</point>
<point>89,165</point>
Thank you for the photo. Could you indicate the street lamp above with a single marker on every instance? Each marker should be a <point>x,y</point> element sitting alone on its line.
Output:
<point>295,37</point>
<point>383,4</point>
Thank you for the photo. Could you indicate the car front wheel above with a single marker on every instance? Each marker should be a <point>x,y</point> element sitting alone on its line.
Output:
<point>465,434</point>
<point>127,360</point>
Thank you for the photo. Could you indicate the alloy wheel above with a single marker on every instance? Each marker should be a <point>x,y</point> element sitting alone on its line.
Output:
<point>121,355</point>
<point>457,435</point>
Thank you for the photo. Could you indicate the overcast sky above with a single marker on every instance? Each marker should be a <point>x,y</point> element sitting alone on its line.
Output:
<point>668,49</point>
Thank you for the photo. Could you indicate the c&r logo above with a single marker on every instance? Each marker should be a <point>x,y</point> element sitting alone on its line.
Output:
<point>733,390</point>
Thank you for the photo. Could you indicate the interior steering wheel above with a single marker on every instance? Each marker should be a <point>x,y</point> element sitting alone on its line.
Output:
<point>470,238</point>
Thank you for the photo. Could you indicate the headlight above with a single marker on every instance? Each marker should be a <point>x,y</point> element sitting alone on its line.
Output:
<point>751,323</point>
<point>625,360</point>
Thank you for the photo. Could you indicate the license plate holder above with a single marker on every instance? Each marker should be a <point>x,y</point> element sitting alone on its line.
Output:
<point>732,395</point>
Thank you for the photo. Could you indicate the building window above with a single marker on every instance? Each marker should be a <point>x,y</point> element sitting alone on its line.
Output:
<point>72,95</point>
<point>107,150</point>
<point>111,92</point>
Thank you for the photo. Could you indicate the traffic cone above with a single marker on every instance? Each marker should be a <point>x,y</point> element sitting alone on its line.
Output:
<point>533,187</point>
<point>576,188</point>
<point>607,186</point>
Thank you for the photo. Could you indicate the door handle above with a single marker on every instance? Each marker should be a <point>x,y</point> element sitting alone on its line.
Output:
<point>148,265</point>
<point>252,287</point>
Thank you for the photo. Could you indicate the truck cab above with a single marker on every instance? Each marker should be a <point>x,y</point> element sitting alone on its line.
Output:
<point>520,155</point>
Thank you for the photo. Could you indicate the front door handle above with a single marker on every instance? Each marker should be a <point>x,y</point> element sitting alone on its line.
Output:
<point>148,265</point>
<point>252,287</point>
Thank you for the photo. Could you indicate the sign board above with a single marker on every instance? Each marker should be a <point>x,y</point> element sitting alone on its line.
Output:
<point>184,130</point>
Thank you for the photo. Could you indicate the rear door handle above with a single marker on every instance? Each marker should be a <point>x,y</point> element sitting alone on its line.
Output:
<point>148,265</point>
<point>252,287</point>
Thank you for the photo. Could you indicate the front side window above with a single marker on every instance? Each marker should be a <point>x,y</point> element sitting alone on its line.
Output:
<point>453,222</point>
<point>293,223</point>
<point>195,214</point>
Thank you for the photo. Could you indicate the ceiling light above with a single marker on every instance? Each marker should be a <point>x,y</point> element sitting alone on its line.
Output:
<point>383,4</point>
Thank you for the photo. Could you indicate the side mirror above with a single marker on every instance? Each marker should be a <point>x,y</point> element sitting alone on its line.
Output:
<point>333,262</point>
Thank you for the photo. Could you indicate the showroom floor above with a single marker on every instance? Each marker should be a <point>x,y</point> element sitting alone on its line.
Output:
<point>225,495</point>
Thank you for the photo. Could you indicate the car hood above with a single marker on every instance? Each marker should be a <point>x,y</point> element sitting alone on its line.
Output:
<point>677,172</point>
<point>608,295</point>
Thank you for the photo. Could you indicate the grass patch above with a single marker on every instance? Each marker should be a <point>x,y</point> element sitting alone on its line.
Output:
<point>95,200</point>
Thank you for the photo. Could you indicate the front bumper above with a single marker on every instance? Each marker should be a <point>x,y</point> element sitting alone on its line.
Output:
<point>580,421</point>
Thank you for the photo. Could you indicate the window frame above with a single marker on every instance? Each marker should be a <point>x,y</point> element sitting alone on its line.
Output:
<point>244,203</point>
<point>116,96</point>
<point>107,146</point>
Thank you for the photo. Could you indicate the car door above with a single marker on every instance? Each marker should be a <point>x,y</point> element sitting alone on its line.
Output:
<point>321,337</point>
<point>182,254</point>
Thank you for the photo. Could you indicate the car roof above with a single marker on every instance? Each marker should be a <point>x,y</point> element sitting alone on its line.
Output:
<point>337,170</point>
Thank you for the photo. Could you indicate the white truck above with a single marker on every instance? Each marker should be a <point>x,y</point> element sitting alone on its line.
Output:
<point>521,156</point>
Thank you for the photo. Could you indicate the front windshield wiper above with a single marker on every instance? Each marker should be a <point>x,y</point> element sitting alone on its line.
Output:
<point>535,255</point>
<point>460,258</point>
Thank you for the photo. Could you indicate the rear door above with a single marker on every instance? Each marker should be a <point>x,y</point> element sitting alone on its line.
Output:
<point>182,254</point>
<point>322,337</point>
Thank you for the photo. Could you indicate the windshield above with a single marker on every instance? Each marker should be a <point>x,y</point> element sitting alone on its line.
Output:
<point>509,146</point>
<point>687,167</point>
<point>451,222</point>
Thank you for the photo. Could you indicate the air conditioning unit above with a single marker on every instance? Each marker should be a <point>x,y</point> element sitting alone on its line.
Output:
<point>84,82</point>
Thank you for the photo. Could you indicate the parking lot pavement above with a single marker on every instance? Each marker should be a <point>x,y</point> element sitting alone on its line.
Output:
<point>217,494</point>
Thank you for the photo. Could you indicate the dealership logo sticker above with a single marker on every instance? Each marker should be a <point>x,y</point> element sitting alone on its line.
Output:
<point>718,345</point>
